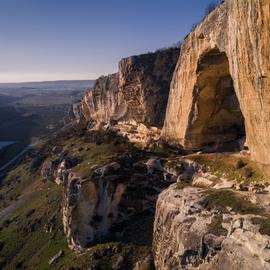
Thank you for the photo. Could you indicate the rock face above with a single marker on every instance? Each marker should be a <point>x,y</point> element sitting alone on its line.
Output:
<point>223,73</point>
<point>107,202</point>
<point>144,82</point>
<point>189,234</point>
<point>219,92</point>
<point>90,207</point>
<point>138,92</point>
<point>99,103</point>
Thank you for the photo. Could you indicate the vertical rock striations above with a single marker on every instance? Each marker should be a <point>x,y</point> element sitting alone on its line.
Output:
<point>144,82</point>
<point>239,31</point>
<point>100,102</point>
<point>138,92</point>
<point>106,204</point>
<point>91,206</point>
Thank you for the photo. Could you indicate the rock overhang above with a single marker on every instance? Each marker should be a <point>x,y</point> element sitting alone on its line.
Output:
<point>240,30</point>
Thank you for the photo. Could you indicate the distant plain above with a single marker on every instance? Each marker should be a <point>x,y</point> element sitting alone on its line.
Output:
<point>29,111</point>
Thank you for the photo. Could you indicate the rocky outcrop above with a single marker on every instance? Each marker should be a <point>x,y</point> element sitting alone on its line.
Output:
<point>57,167</point>
<point>218,100</point>
<point>91,207</point>
<point>144,82</point>
<point>110,200</point>
<point>199,229</point>
<point>222,80</point>
<point>138,92</point>
<point>144,137</point>
<point>219,90</point>
<point>100,102</point>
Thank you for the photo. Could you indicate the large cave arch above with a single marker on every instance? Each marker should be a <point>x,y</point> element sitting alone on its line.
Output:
<point>216,122</point>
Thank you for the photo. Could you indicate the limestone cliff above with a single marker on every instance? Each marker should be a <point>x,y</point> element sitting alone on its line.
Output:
<point>144,82</point>
<point>100,102</point>
<point>225,60</point>
<point>138,92</point>
<point>218,100</point>
<point>90,207</point>
<point>105,204</point>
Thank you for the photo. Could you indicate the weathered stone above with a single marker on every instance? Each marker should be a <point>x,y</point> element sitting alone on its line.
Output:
<point>220,78</point>
<point>144,82</point>
<point>100,103</point>
<point>110,199</point>
<point>90,208</point>
<point>47,170</point>
<point>189,236</point>
<point>138,92</point>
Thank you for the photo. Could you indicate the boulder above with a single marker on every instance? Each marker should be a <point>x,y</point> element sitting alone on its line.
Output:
<point>47,170</point>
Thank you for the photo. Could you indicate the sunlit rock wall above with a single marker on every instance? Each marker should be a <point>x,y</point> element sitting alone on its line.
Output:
<point>240,29</point>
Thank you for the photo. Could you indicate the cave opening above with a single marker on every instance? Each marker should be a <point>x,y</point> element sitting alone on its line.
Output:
<point>217,123</point>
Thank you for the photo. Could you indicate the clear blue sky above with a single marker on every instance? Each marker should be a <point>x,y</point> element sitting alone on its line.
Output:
<point>82,39</point>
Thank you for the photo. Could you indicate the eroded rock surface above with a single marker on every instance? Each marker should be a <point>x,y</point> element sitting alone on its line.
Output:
<point>195,229</point>
<point>91,206</point>
<point>138,92</point>
<point>196,114</point>
<point>100,102</point>
<point>105,204</point>
<point>144,82</point>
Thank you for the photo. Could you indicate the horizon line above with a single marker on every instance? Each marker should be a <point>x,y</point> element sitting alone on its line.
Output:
<point>42,81</point>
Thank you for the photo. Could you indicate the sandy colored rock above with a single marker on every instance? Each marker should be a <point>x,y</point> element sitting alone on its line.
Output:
<point>138,92</point>
<point>227,53</point>
<point>188,235</point>
<point>90,207</point>
<point>144,82</point>
<point>100,102</point>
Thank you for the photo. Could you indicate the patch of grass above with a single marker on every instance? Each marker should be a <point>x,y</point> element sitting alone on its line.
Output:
<point>181,185</point>
<point>220,199</point>
<point>25,239</point>
<point>91,155</point>
<point>216,228</point>
<point>95,149</point>
<point>14,184</point>
<point>230,166</point>
<point>264,224</point>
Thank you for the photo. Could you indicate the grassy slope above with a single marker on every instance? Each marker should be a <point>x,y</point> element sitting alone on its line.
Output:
<point>33,234</point>
<point>231,166</point>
